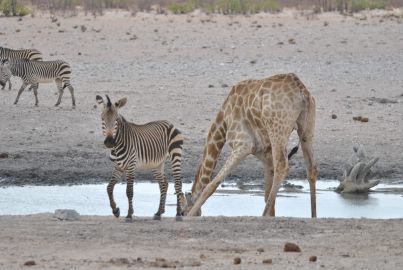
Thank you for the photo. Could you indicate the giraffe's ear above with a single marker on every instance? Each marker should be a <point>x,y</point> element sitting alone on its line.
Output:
<point>99,99</point>
<point>121,102</point>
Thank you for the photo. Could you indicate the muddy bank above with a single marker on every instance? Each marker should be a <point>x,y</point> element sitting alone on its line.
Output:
<point>204,243</point>
<point>74,167</point>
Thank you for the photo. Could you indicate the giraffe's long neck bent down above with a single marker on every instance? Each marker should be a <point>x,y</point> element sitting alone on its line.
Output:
<point>215,142</point>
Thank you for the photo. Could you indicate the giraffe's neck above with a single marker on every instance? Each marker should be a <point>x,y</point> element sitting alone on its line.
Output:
<point>214,144</point>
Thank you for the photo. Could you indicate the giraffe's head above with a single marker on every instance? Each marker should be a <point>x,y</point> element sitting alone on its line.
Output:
<point>109,117</point>
<point>5,71</point>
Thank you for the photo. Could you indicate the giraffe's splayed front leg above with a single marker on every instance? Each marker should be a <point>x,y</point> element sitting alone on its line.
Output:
<point>190,199</point>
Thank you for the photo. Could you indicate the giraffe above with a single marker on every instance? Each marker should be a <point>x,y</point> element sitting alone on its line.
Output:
<point>258,118</point>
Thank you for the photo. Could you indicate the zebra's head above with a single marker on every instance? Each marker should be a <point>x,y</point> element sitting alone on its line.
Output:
<point>5,71</point>
<point>110,118</point>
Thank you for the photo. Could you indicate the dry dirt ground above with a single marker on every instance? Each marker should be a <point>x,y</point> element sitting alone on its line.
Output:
<point>200,243</point>
<point>180,68</point>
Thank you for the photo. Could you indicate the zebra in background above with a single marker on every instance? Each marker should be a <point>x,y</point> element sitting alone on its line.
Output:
<point>141,147</point>
<point>28,54</point>
<point>35,72</point>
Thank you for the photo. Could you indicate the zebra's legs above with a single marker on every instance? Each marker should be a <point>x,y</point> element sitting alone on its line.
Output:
<point>73,100</point>
<point>9,84</point>
<point>180,197</point>
<point>60,88</point>
<point>116,175</point>
<point>23,86</point>
<point>35,87</point>
<point>163,183</point>
<point>129,192</point>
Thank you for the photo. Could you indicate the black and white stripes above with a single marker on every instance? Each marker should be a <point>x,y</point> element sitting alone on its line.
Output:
<point>141,147</point>
<point>35,72</point>
<point>28,54</point>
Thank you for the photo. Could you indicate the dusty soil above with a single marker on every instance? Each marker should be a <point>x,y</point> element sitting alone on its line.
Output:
<point>202,243</point>
<point>180,68</point>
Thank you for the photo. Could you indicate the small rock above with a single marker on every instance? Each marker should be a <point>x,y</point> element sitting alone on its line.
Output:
<point>30,263</point>
<point>334,116</point>
<point>364,119</point>
<point>267,261</point>
<point>210,86</point>
<point>357,118</point>
<point>260,250</point>
<point>237,260</point>
<point>17,30</point>
<point>292,41</point>
<point>313,259</point>
<point>79,53</point>
<point>66,214</point>
<point>95,106</point>
<point>83,28</point>
<point>3,155</point>
<point>291,247</point>
<point>325,23</point>
<point>224,85</point>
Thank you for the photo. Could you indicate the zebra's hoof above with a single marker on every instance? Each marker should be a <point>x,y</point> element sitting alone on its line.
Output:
<point>157,217</point>
<point>129,219</point>
<point>179,218</point>
<point>116,212</point>
<point>57,104</point>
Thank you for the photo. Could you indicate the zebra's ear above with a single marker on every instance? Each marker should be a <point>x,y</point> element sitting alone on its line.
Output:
<point>99,99</point>
<point>121,102</point>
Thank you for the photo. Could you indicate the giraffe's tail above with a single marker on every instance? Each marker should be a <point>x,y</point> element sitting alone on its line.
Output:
<point>293,151</point>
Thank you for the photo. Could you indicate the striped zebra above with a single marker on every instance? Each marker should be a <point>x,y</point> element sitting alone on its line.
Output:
<point>35,72</point>
<point>28,54</point>
<point>141,147</point>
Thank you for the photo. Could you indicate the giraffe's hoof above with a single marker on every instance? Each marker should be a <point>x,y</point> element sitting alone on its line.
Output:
<point>157,217</point>
<point>116,212</point>
<point>179,218</point>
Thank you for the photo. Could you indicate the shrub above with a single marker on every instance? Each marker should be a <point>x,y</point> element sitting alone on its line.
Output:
<point>6,7</point>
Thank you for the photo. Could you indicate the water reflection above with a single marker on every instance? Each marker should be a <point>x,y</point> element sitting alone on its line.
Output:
<point>229,201</point>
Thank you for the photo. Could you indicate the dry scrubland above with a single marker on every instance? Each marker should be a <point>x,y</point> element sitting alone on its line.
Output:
<point>181,67</point>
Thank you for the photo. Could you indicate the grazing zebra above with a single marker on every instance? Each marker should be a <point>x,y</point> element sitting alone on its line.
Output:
<point>28,54</point>
<point>141,147</point>
<point>35,72</point>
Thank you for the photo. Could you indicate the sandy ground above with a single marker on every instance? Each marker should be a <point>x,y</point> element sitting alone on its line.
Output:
<point>201,243</point>
<point>180,68</point>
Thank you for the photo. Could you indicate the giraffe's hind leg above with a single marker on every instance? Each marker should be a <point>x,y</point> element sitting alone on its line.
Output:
<point>306,127</point>
<point>163,184</point>
<point>267,161</point>
<point>280,166</point>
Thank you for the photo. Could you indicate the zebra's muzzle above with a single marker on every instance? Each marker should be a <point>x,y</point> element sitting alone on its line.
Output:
<point>2,83</point>
<point>109,142</point>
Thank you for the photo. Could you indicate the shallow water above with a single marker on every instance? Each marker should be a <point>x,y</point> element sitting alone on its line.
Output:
<point>229,201</point>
